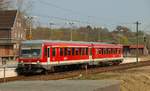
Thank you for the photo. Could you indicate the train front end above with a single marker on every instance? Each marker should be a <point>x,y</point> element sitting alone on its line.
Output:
<point>29,60</point>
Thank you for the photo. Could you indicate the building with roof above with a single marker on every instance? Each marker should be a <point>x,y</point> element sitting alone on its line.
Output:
<point>131,50</point>
<point>11,33</point>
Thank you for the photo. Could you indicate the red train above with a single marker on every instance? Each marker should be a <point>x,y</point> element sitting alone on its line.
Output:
<point>42,55</point>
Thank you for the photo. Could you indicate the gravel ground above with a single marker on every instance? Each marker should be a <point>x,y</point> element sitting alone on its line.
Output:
<point>62,85</point>
<point>137,79</point>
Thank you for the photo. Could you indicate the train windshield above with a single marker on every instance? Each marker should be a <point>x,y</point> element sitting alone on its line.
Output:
<point>30,50</point>
<point>29,53</point>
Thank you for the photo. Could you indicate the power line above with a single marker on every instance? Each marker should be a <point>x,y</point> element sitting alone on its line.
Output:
<point>56,6</point>
<point>68,10</point>
<point>72,11</point>
<point>146,27</point>
<point>65,19</point>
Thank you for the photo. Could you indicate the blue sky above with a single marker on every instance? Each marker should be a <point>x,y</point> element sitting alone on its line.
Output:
<point>107,13</point>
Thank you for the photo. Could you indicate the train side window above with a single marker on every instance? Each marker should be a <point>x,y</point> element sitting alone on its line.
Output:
<point>117,51</point>
<point>53,51</point>
<point>65,51</point>
<point>76,51</point>
<point>99,51</point>
<point>48,52</point>
<point>102,51</point>
<point>106,51</point>
<point>61,52</point>
<point>82,51</point>
<point>73,52</point>
<point>109,51</point>
<point>87,51</point>
<point>114,51</point>
<point>69,51</point>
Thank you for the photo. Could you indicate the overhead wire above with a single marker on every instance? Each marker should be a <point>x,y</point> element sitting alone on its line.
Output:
<point>63,19</point>
<point>74,12</point>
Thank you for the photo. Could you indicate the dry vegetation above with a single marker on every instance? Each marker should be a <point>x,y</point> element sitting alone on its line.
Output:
<point>137,79</point>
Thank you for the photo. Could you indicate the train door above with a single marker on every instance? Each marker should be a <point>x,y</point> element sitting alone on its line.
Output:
<point>48,55</point>
<point>57,54</point>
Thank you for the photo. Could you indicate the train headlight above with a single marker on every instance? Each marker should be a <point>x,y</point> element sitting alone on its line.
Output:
<point>21,61</point>
<point>38,62</point>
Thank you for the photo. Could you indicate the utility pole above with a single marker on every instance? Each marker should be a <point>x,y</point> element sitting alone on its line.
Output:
<point>30,19</point>
<point>51,24</point>
<point>71,30</point>
<point>30,33</point>
<point>51,31</point>
<point>137,41</point>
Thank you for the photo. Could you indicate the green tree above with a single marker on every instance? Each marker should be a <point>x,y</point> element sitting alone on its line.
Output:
<point>123,40</point>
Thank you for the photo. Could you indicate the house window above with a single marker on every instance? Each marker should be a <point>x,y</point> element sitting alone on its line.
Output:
<point>21,36</point>
<point>15,34</point>
<point>18,24</point>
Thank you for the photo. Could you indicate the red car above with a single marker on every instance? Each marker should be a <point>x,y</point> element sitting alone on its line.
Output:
<point>42,55</point>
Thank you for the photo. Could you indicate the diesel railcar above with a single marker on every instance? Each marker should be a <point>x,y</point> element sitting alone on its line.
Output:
<point>43,55</point>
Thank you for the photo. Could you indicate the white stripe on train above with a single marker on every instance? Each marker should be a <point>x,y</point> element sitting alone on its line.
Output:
<point>74,61</point>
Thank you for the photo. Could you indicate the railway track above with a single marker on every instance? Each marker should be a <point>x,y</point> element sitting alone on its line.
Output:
<point>75,73</point>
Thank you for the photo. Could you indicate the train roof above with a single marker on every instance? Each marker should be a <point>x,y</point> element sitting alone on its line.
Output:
<point>71,43</point>
<point>56,41</point>
<point>60,41</point>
